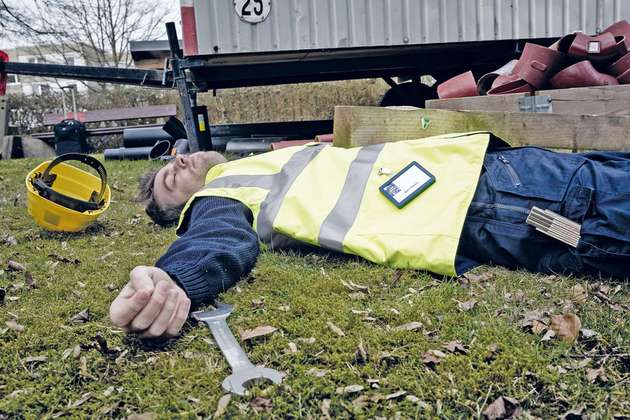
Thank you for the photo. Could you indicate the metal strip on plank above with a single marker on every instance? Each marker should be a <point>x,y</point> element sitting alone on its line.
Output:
<point>341,218</point>
<point>285,178</point>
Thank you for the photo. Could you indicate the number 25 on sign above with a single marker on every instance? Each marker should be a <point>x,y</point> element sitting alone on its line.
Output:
<point>252,11</point>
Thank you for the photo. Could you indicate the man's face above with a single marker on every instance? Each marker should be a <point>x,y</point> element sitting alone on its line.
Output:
<point>176,182</point>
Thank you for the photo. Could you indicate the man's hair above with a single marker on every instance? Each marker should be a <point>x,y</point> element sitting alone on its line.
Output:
<point>162,216</point>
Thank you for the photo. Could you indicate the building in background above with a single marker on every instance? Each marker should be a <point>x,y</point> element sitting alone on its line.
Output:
<point>32,85</point>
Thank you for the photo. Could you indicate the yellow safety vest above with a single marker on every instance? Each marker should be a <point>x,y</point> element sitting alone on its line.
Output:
<point>329,197</point>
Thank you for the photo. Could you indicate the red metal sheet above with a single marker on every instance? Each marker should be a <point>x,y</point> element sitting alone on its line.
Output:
<point>190,30</point>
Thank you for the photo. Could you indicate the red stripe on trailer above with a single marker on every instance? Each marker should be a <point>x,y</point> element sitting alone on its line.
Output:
<point>190,30</point>
<point>4,57</point>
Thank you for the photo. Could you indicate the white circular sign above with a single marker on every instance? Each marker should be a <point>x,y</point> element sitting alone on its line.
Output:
<point>252,11</point>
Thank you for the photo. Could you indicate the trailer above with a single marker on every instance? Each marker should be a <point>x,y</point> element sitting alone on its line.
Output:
<point>238,43</point>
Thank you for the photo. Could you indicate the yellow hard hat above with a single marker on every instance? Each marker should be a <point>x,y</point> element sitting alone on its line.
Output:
<point>77,199</point>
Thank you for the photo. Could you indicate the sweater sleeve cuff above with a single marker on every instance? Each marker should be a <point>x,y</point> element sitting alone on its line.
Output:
<point>197,287</point>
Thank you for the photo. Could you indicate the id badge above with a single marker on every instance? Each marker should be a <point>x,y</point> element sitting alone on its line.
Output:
<point>407,184</point>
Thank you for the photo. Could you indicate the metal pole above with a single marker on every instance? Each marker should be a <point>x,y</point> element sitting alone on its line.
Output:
<point>74,102</point>
<point>182,86</point>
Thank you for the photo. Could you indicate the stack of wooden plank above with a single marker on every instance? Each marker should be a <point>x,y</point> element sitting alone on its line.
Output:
<point>591,118</point>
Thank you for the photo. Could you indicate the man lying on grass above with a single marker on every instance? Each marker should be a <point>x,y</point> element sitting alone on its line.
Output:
<point>443,204</point>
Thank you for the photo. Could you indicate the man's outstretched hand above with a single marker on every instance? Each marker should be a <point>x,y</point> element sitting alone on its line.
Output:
<point>151,304</point>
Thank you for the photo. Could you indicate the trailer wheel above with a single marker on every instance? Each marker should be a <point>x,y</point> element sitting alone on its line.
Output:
<point>408,93</point>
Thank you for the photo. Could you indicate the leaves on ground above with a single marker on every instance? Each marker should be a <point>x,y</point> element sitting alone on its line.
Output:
<point>411,326</point>
<point>257,332</point>
<point>455,347</point>
<point>501,408</point>
<point>431,358</point>
<point>349,389</point>
<point>335,329</point>
<point>467,305</point>
<point>567,326</point>
<point>224,401</point>
<point>82,317</point>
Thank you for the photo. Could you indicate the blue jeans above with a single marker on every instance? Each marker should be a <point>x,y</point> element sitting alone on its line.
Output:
<point>592,189</point>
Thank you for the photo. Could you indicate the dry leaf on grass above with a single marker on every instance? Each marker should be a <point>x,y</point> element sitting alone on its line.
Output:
<point>567,326</point>
<point>455,347</point>
<point>35,359</point>
<point>575,414</point>
<point>481,277</point>
<point>335,329</point>
<point>325,407</point>
<point>80,401</point>
<point>501,408</point>
<point>411,326</point>
<point>588,333</point>
<point>578,294</point>
<point>30,281</point>
<point>309,340</point>
<point>388,358</point>
<point>353,287</point>
<point>318,373</point>
<point>9,240</point>
<point>224,401</point>
<point>361,401</point>
<point>64,260</point>
<point>104,257</point>
<point>432,358</point>
<point>350,389</point>
<point>143,416</point>
<point>13,325</point>
<point>467,305</point>
<point>260,403</point>
<point>15,266</point>
<point>292,348</point>
<point>357,296</point>
<point>548,335</point>
<point>493,351</point>
<point>538,327</point>
<point>257,332</point>
<point>258,303</point>
<point>82,317</point>
<point>395,395</point>
<point>361,355</point>
<point>596,374</point>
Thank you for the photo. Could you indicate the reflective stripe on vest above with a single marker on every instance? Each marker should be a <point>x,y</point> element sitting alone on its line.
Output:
<point>340,219</point>
<point>329,197</point>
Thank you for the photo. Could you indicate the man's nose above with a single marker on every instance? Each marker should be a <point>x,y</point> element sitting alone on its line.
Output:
<point>181,161</point>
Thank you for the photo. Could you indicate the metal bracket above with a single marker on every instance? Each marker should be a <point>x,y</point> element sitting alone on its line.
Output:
<point>541,104</point>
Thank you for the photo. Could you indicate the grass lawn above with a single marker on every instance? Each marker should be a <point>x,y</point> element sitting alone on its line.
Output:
<point>391,353</point>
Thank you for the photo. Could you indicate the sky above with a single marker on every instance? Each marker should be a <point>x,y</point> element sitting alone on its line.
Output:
<point>9,42</point>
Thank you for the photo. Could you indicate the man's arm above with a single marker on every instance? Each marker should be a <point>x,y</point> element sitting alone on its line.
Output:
<point>218,247</point>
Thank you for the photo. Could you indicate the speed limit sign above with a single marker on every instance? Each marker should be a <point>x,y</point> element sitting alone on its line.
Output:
<point>252,11</point>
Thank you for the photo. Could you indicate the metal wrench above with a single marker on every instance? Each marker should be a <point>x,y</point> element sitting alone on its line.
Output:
<point>244,372</point>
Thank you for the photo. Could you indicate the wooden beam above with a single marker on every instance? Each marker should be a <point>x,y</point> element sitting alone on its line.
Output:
<point>117,114</point>
<point>359,126</point>
<point>503,103</point>
<point>595,100</point>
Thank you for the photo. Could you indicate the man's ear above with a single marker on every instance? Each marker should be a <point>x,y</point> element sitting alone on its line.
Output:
<point>216,158</point>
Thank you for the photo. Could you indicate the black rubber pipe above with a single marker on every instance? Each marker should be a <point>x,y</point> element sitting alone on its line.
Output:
<point>130,153</point>
<point>144,136</point>
<point>159,149</point>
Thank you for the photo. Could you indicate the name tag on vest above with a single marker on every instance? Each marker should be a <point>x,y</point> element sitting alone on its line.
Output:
<point>407,184</point>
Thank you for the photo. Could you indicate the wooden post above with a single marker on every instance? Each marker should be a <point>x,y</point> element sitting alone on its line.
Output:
<point>359,126</point>
<point>595,100</point>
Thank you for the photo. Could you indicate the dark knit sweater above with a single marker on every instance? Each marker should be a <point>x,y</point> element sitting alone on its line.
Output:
<point>218,247</point>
